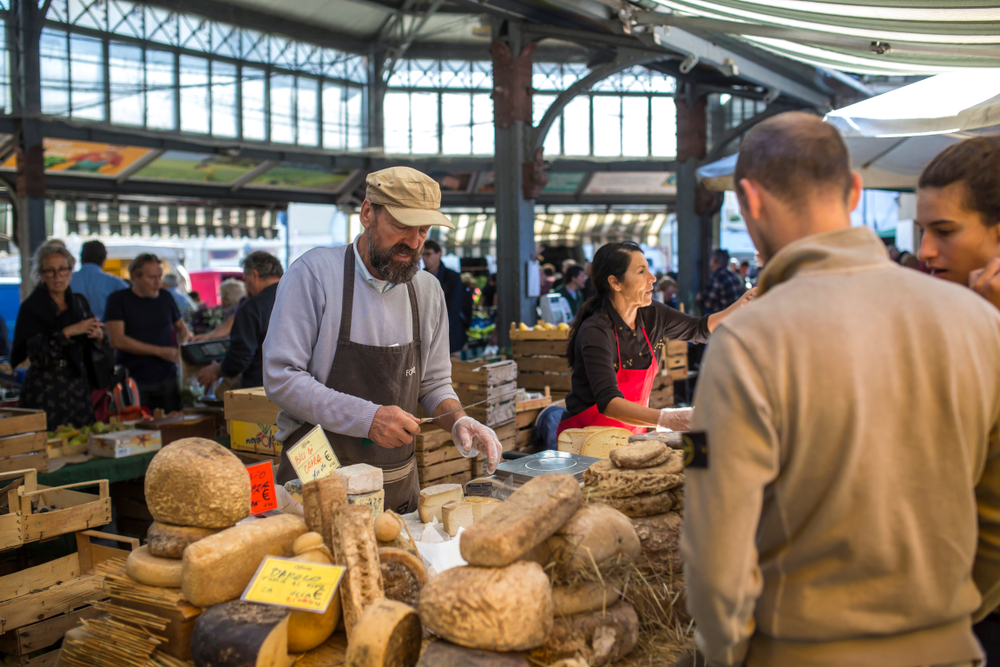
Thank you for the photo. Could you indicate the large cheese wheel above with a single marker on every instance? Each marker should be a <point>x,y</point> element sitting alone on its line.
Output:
<point>641,454</point>
<point>166,541</point>
<point>403,575</point>
<point>219,567</point>
<point>659,533</point>
<point>306,629</point>
<point>495,609</point>
<point>601,443</point>
<point>522,522</point>
<point>595,534</point>
<point>241,634</point>
<point>445,654</point>
<point>599,637</point>
<point>197,482</point>
<point>388,635</point>
<point>583,597</point>
<point>152,571</point>
<point>608,480</point>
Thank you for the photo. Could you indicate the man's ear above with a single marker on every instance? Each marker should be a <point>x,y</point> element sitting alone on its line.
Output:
<point>749,197</point>
<point>367,213</point>
<point>856,187</point>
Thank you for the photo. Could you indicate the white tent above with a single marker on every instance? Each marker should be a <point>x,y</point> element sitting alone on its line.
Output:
<point>893,136</point>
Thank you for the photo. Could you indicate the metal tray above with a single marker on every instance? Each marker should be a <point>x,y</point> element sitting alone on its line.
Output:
<point>544,463</point>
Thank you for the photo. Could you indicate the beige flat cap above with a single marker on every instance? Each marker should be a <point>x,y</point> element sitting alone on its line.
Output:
<point>411,197</point>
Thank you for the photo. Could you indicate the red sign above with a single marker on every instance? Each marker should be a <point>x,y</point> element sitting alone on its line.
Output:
<point>262,497</point>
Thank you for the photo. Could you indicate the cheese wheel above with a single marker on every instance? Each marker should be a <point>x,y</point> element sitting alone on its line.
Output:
<point>197,482</point>
<point>583,597</point>
<point>305,542</point>
<point>600,444</point>
<point>608,480</point>
<point>496,609</point>
<point>445,654</point>
<point>306,629</point>
<point>643,504</point>
<point>433,498</point>
<point>456,514</point>
<point>571,440</point>
<point>642,454</point>
<point>403,575</point>
<point>166,541</point>
<point>481,506</point>
<point>219,567</point>
<point>387,527</point>
<point>241,634</point>
<point>599,637</point>
<point>659,533</point>
<point>595,534</point>
<point>388,635</point>
<point>152,571</point>
<point>360,479</point>
<point>523,521</point>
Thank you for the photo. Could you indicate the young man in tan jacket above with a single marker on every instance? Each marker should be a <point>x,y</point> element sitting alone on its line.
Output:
<point>853,423</point>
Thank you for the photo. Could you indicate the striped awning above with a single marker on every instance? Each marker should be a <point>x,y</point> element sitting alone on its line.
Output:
<point>897,37</point>
<point>169,220</point>
<point>475,234</point>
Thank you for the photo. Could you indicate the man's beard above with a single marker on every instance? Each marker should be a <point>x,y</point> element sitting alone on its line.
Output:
<point>385,264</point>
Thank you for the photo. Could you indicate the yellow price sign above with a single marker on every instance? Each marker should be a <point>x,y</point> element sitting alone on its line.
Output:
<point>290,583</point>
<point>312,457</point>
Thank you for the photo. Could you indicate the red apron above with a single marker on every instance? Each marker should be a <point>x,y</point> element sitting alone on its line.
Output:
<point>634,385</point>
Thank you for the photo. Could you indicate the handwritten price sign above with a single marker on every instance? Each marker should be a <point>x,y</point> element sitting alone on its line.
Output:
<point>262,496</point>
<point>312,457</point>
<point>289,583</point>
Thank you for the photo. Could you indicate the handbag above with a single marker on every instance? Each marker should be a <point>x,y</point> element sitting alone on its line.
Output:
<point>100,363</point>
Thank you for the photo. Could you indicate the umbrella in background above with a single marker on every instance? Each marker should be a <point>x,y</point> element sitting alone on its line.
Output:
<point>893,136</point>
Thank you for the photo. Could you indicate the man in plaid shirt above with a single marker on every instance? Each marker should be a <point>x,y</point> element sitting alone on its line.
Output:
<point>724,287</point>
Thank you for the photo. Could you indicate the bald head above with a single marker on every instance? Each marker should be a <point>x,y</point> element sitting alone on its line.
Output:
<point>795,156</point>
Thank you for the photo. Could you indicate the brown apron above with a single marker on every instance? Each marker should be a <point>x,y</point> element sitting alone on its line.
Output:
<point>384,376</point>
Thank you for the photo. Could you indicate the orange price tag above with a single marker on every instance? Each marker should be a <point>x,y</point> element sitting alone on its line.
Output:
<point>262,496</point>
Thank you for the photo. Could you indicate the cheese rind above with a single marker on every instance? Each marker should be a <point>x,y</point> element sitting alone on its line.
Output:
<point>642,454</point>
<point>166,541</point>
<point>389,635</point>
<point>600,444</point>
<point>433,498</point>
<point>197,482</point>
<point>355,548</point>
<point>153,571</point>
<point>218,568</point>
<point>523,521</point>
<point>387,527</point>
<point>496,609</point>
<point>456,514</point>
<point>593,535</point>
<point>306,629</point>
<point>583,597</point>
<point>481,507</point>
<point>241,634</point>
<point>374,500</point>
<point>599,637</point>
<point>403,575</point>
<point>360,479</point>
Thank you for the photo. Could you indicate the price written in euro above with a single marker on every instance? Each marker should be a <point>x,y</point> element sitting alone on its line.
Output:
<point>290,583</point>
<point>262,497</point>
<point>312,457</point>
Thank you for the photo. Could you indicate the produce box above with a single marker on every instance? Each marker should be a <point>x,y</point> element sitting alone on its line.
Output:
<point>11,527</point>
<point>527,414</point>
<point>47,512</point>
<point>14,421</point>
<point>541,360</point>
<point>124,443</point>
<point>438,460</point>
<point>253,422</point>
<point>25,450</point>
<point>182,426</point>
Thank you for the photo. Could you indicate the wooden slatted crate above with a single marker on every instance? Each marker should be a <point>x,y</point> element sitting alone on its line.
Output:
<point>23,440</point>
<point>438,460</point>
<point>527,414</point>
<point>541,360</point>
<point>675,359</point>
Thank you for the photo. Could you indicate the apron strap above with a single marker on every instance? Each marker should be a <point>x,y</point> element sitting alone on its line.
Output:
<point>651,353</point>
<point>395,475</point>
<point>414,313</point>
<point>617,346</point>
<point>347,307</point>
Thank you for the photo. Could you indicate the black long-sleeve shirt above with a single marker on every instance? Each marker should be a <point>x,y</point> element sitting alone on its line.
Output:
<point>245,353</point>
<point>594,376</point>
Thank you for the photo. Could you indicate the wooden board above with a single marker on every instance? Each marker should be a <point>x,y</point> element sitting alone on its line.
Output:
<point>523,438</point>
<point>74,510</point>
<point>541,364</point>
<point>460,478</point>
<point>38,636</point>
<point>445,469</point>
<point>526,348</point>
<point>23,444</point>
<point>330,653</point>
<point>677,347</point>
<point>506,430</point>
<point>677,362</point>
<point>546,334</point>
<point>556,382</point>
<point>473,393</point>
<point>493,415</point>
<point>37,460</point>
<point>15,420</point>
<point>50,602</point>
<point>679,373</point>
<point>534,403</point>
<point>41,576</point>
<point>250,405</point>
<point>527,418</point>
<point>50,659</point>
<point>449,452</point>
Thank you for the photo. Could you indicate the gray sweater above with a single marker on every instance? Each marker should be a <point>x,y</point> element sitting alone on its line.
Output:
<point>302,340</point>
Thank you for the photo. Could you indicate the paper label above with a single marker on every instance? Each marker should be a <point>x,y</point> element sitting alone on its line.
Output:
<point>262,495</point>
<point>258,438</point>
<point>284,582</point>
<point>312,457</point>
<point>375,500</point>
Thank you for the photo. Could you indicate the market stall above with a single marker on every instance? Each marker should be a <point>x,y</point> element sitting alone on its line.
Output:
<point>556,557</point>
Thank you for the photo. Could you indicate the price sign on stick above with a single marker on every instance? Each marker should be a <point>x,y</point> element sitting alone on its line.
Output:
<point>312,457</point>
<point>262,496</point>
<point>289,583</point>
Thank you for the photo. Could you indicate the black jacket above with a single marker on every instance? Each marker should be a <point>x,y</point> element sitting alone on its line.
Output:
<point>458,299</point>
<point>245,354</point>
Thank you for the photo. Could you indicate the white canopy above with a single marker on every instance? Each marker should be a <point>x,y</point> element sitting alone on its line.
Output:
<point>893,136</point>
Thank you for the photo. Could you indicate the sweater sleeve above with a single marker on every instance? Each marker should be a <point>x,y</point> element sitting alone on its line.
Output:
<point>292,335</point>
<point>986,569</point>
<point>723,502</point>
<point>435,383</point>
<point>676,325</point>
<point>243,340</point>
<point>597,351</point>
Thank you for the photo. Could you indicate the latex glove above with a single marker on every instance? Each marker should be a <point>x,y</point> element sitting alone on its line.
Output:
<point>473,438</point>
<point>674,419</point>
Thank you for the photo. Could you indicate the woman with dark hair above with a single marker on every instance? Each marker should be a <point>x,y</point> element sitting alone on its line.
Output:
<point>615,342</point>
<point>55,331</point>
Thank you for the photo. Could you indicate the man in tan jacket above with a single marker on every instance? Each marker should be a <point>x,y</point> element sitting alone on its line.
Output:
<point>852,417</point>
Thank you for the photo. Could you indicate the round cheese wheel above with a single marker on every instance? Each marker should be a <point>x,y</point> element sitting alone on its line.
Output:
<point>403,575</point>
<point>152,571</point>
<point>583,597</point>
<point>197,482</point>
<point>241,634</point>
<point>388,634</point>
<point>166,541</point>
<point>386,527</point>
<point>595,534</point>
<point>305,542</point>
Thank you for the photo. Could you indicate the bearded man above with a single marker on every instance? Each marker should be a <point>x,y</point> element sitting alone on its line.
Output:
<point>358,339</point>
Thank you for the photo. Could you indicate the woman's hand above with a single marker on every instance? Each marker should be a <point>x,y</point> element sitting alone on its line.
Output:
<point>986,281</point>
<point>83,327</point>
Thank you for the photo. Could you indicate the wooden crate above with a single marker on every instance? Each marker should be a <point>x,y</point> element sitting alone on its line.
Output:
<point>494,415</point>
<point>16,421</point>
<point>472,372</point>
<point>546,334</point>
<point>492,394</point>
<point>431,437</point>
<point>57,587</point>
<point>22,642</point>
<point>11,523</point>
<point>73,510</point>
<point>24,450</point>
<point>250,405</point>
<point>527,414</point>
<point>429,475</point>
